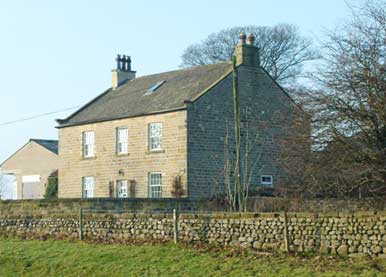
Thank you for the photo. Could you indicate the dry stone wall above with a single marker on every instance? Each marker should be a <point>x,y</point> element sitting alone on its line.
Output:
<point>149,205</point>
<point>361,233</point>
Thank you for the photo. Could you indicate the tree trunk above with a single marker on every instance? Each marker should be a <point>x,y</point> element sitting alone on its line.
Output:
<point>237,133</point>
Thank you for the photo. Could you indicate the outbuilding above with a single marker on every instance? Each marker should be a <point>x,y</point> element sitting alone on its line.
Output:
<point>31,166</point>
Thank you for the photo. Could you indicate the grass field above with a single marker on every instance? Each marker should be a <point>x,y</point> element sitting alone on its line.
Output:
<point>62,258</point>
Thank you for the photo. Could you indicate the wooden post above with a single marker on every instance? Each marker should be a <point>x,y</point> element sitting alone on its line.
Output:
<point>175,226</point>
<point>286,239</point>
<point>81,223</point>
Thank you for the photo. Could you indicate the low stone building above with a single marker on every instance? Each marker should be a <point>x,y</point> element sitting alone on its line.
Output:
<point>172,133</point>
<point>31,166</point>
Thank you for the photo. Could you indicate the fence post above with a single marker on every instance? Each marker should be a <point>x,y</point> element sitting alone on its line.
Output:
<point>81,223</point>
<point>286,239</point>
<point>175,226</point>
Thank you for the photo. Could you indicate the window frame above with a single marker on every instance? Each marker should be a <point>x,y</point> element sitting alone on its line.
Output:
<point>265,183</point>
<point>86,147</point>
<point>119,185</point>
<point>85,194</point>
<point>150,137</point>
<point>152,193</point>
<point>154,87</point>
<point>118,143</point>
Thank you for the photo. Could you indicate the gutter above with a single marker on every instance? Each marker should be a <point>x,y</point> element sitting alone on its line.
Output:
<point>118,118</point>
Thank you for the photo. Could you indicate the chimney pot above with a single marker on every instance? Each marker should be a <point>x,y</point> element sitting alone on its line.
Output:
<point>128,63</point>
<point>242,38</point>
<point>251,39</point>
<point>118,59</point>
<point>123,63</point>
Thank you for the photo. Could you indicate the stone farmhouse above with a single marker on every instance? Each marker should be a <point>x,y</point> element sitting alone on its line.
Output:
<point>31,166</point>
<point>147,136</point>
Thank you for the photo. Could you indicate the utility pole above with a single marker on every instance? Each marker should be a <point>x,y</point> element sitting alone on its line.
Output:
<point>236,118</point>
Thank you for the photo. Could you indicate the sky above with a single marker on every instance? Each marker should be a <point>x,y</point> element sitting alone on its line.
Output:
<point>56,55</point>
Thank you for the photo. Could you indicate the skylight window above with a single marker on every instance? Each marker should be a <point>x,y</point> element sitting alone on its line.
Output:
<point>154,87</point>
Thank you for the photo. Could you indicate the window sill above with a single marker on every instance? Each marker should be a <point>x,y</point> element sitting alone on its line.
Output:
<point>266,185</point>
<point>155,151</point>
<point>122,155</point>
<point>88,158</point>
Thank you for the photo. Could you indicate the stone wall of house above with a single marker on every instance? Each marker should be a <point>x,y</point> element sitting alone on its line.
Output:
<point>265,113</point>
<point>330,233</point>
<point>107,167</point>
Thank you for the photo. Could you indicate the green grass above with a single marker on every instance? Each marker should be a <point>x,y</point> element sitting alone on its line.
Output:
<point>63,258</point>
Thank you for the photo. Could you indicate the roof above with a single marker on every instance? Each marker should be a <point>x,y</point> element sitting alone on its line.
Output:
<point>131,98</point>
<point>51,145</point>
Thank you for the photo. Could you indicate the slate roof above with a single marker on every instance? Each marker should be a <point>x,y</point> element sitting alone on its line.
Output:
<point>51,145</point>
<point>131,98</point>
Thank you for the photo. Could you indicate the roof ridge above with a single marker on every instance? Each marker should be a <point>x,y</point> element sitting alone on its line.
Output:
<point>33,139</point>
<point>181,69</point>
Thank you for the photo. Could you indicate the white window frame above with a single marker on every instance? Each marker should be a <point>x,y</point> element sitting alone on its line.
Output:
<point>155,136</point>
<point>155,184</point>
<point>122,139</point>
<point>122,188</point>
<point>88,142</point>
<point>266,183</point>
<point>88,186</point>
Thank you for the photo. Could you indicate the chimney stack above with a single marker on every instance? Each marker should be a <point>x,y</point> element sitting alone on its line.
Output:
<point>246,52</point>
<point>123,71</point>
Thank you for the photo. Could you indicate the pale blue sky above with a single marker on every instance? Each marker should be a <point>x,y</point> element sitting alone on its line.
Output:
<point>58,54</point>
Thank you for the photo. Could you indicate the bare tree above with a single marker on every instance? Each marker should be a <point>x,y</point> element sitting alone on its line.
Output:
<point>283,51</point>
<point>348,111</point>
<point>353,108</point>
<point>328,171</point>
<point>238,188</point>
<point>295,152</point>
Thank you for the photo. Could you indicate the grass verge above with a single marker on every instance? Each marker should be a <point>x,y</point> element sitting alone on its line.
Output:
<point>64,258</point>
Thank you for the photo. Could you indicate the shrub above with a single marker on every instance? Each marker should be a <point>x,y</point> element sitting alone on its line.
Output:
<point>52,186</point>
<point>177,189</point>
